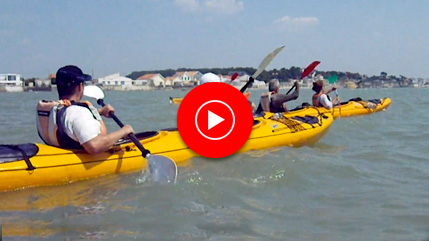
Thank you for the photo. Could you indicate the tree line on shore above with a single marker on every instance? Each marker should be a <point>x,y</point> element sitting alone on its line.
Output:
<point>283,74</point>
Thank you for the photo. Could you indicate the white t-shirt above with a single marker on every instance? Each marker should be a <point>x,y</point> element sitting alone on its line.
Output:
<point>80,124</point>
<point>323,100</point>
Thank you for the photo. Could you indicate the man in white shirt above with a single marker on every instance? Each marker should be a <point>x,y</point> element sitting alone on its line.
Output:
<point>320,98</point>
<point>80,123</point>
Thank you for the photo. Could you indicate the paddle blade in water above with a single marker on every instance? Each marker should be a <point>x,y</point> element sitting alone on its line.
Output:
<point>162,169</point>
<point>332,79</point>
<point>309,68</point>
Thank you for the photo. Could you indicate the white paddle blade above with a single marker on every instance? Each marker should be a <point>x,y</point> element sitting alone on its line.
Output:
<point>93,91</point>
<point>267,61</point>
<point>162,169</point>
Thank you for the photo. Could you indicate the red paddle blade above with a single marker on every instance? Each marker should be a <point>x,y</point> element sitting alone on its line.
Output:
<point>309,68</point>
<point>234,76</point>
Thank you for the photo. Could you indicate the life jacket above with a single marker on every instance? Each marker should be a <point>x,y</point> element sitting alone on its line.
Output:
<point>267,105</point>
<point>266,101</point>
<point>50,122</point>
<point>316,99</point>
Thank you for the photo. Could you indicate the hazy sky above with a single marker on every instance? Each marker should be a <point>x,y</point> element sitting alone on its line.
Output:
<point>104,37</point>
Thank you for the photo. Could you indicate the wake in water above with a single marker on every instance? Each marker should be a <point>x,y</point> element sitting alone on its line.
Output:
<point>144,178</point>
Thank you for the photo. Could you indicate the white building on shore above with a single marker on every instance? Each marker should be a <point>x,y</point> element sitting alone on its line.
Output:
<point>11,83</point>
<point>242,80</point>
<point>187,78</point>
<point>11,80</point>
<point>152,80</point>
<point>115,80</point>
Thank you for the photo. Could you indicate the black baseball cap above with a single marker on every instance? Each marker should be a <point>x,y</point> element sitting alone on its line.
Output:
<point>71,75</point>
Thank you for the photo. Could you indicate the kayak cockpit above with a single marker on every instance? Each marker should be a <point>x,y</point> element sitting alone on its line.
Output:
<point>11,153</point>
<point>140,136</point>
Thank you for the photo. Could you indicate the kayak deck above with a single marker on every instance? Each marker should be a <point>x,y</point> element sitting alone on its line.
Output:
<point>54,165</point>
<point>353,107</point>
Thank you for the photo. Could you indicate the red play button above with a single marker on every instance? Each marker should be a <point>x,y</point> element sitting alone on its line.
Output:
<point>215,120</point>
<point>222,127</point>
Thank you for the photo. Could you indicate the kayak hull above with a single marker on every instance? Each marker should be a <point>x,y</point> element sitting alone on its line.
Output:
<point>287,132</point>
<point>347,109</point>
<point>176,100</point>
<point>54,166</point>
<point>58,166</point>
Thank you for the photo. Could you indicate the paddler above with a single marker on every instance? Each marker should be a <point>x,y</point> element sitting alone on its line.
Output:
<point>247,96</point>
<point>71,123</point>
<point>320,98</point>
<point>275,102</point>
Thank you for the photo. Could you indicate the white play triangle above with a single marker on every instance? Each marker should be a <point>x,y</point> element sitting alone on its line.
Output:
<point>214,120</point>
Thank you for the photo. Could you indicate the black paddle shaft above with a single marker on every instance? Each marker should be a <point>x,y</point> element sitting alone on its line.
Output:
<point>131,136</point>
<point>293,87</point>
<point>251,80</point>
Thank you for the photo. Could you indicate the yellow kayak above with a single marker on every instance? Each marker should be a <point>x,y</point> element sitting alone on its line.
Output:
<point>353,107</point>
<point>294,131</point>
<point>54,165</point>
<point>28,165</point>
<point>175,100</point>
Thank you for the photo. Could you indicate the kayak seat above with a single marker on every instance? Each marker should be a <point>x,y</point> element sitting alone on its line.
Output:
<point>302,106</point>
<point>258,114</point>
<point>11,153</point>
<point>375,101</point>
<point>307,119</point>
<point>140,136</point>
<point>146,134</point>
<point>356,99</point>
<point>299,107</point>
<point>170,129</point>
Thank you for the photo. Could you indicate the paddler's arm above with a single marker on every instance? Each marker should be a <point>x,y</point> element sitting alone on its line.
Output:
<point>295,94</point>
<point>333,89</point>
<point>104,111</point>
<point>279,99</point>
<point>103,142</point>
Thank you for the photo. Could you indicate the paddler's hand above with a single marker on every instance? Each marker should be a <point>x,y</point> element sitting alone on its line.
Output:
<point>105,111</point>
<point>126,130</point>
<point>247,95</point>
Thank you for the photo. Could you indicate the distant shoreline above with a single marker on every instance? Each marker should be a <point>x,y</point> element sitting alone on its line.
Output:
<point>184,88</point>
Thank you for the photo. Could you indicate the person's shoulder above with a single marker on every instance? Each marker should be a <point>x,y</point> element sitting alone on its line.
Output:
<point>278,95</point>
<point>77,110</point>
<point>265,94</point>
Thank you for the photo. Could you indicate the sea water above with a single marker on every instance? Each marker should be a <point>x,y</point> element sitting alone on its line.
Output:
<point>366,179</point>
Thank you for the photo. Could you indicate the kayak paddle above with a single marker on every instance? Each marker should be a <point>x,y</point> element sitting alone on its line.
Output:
<point>332,79</point>
<point>265,62</point>
<point>306,72</point>
<point>234,76</point>
<point>162,168</point>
